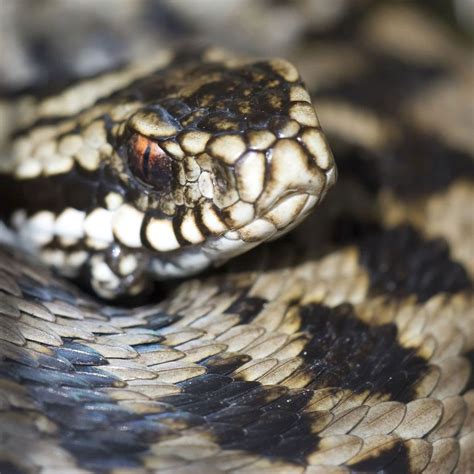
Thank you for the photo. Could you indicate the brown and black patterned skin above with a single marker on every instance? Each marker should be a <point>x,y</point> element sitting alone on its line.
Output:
<point>345,347</point>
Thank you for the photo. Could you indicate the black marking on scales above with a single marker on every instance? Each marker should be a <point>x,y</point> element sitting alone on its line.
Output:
<point>401,262</point>
<point>267,420</point>
<point>77,189</point>
<point>345,352</point>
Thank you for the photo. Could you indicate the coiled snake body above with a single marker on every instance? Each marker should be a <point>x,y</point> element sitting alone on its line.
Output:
<point>308,354</point>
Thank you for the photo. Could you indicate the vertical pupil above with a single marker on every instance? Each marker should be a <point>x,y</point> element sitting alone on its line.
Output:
<point>142,155</point>
<point>149,163</point>
<point>146,160</point>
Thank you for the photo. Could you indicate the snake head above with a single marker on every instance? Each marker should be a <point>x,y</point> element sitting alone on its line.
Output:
<point>222,156</point>
<point>192,162</point>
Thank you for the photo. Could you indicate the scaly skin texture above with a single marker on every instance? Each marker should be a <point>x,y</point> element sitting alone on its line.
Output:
<point>347,346</point>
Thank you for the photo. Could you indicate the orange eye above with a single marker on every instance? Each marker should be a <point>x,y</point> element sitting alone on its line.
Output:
<point>149,162</point>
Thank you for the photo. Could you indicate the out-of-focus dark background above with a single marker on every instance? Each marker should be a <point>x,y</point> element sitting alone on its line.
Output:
<point>53,40</point>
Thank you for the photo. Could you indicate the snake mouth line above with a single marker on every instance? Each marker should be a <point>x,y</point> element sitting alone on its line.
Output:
<point>285,199</point>
<point>284,214</point>
<point>278,218</point>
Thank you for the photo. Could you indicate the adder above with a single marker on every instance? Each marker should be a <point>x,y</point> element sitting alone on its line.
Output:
<point>344,346</point>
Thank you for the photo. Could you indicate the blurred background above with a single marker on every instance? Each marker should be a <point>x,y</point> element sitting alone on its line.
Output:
<point>54,40</point>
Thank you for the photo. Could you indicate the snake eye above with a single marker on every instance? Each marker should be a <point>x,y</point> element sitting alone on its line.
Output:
<point>149,163</point>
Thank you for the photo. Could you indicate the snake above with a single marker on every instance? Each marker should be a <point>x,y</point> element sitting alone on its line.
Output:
<point>170,303</point>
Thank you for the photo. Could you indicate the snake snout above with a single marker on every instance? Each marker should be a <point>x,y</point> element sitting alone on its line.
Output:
<point>284,184</point>
<point>294,170</point>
